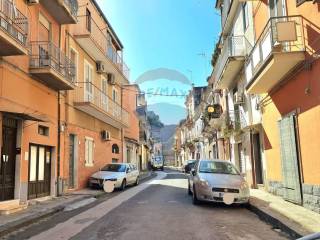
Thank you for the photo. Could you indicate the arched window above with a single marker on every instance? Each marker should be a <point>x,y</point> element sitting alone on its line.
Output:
<point>115,149</point>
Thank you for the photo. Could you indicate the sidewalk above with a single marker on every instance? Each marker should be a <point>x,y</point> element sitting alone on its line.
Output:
<point>42,208</point>
<point>294,219</point>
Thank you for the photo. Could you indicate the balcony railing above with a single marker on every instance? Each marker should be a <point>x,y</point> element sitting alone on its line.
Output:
<point>280,35</point>
<point>86,92</point>
<point>87,26</point>
<point>234,46</point>
<point>47,55</point>
<point>64,11</point>
<point>73,6</point>
<point>13,22</point>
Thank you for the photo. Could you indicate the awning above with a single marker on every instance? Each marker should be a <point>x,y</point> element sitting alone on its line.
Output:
<point>27,116</point>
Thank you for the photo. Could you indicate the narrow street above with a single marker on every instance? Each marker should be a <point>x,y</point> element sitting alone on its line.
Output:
<point>157,209</point>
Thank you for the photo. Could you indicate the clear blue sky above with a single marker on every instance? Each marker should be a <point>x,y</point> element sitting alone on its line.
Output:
<point>166,34</point>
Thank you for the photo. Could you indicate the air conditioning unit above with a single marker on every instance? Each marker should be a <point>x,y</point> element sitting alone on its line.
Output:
<point>111,79</point>
<point>238,98</point>
<point>101,67</point>
<point>105,135</point>
<point>32,2</point>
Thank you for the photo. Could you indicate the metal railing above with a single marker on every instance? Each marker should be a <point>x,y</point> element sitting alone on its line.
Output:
<point>46,54</point>
<point>87,25</point>
<point>237,119</point>
<point>13,21</point>
<point>87,92</point>
<point>269,42</point>
<point>73,5</point>
<point>234,46</point>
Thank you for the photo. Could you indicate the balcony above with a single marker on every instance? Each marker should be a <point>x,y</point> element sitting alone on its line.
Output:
<point>95,42</point>
<point>229,9</point>
<point>279,49</point>
<point>91,100</point>
<point>64,11</point>
<point>231,60</point>
<point>51,66</point>
<point>13,30</point>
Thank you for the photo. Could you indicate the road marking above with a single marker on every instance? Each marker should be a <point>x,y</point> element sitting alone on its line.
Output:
<point>76,224</point>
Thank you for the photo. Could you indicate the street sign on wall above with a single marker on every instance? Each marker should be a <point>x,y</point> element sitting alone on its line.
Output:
<point>214,111</point>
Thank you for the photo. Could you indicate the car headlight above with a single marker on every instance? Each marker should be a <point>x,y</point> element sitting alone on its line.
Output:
<point>204,183</point>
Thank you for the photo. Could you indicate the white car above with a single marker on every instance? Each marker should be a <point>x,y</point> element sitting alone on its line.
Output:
<point>122,174</point>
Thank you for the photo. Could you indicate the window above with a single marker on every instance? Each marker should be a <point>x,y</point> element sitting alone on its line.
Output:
<point>89,151</point>
<point>43,130</point>
<point>245,13</point>
<point>74,59</point>
<point>104,95</point>
<point>88,74</point>
<point>115,149</point>
<point>114,95</point>
<point>88,20</point>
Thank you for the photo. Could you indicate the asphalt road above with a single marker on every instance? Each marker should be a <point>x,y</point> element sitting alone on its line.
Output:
<point>160,210</point>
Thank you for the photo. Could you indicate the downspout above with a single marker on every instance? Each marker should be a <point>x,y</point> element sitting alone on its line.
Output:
<point>122,130</point>
<point>59,131</point>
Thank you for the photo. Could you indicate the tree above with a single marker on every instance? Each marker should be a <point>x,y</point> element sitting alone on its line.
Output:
<point>154,119</point>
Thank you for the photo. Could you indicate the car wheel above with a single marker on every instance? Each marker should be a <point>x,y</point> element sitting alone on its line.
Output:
<point>123,184</point>
<point>195,199</point>
<point>137,181</point>
<point>189,189</point>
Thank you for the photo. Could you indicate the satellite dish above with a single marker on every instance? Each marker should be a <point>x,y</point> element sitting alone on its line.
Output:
<point>108,186</point>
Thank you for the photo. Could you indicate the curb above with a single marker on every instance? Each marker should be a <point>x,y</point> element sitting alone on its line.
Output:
<point>26,221</point>
<point>276,219</point>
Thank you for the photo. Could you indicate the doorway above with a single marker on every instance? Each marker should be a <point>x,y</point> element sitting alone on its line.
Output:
<point>72,161</point>
<point>8,158</point>
<point>291,177</point>
<point>257,158</point>
<point>39,171</point>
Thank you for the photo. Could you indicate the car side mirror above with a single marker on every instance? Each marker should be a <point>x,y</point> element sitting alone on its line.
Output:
<point>128,170</point>
<point>193,172</point>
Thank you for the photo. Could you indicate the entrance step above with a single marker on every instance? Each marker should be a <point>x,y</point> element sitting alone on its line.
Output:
<point>9,207</point>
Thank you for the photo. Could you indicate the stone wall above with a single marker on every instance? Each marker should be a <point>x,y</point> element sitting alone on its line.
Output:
<point>311,197</point>
<point>275,188</point>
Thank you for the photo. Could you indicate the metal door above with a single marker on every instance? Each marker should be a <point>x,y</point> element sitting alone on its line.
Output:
<point>39,171</point>
<point>289,160</point>
<point>8,159</point>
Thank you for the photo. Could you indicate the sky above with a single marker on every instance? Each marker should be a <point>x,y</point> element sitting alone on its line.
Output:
<point>167,45</point>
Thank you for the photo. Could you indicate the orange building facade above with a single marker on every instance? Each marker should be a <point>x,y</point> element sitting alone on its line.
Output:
<point>131,134</point>
<point>61,114</point>
<point>34,70</point>
<point>283,68</point>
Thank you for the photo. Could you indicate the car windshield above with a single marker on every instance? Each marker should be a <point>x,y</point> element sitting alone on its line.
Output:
<point>217,167</point>
<point>114,168</point>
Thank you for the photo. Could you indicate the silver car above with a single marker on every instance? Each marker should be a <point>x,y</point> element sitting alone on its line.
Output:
<point>122,174</point>
<point>216,181</point>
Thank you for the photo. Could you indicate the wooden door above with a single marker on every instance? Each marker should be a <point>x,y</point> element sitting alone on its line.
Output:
<point>39,171</point>
<point>8,159</point>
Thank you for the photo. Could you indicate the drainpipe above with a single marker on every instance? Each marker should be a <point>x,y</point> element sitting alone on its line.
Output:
<point>59,131</point>
<point>122,130</point>
<point>58,147</point>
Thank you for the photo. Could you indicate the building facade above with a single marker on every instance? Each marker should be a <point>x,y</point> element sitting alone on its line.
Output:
<point>35,71</point>
<point>70,115</point>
